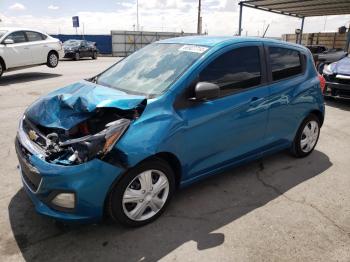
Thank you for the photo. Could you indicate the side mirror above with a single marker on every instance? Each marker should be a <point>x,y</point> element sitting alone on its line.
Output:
<point>206,91</point>
<point>9,41</point>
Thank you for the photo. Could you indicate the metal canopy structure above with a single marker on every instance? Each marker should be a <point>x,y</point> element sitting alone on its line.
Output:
<point>297,8</point>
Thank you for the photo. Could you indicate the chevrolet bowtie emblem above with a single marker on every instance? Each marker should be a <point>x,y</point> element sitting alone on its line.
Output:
<point>32,135</point>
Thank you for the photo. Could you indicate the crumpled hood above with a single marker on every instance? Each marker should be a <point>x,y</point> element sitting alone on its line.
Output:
<point>70,105</point>
<point>342,66</point>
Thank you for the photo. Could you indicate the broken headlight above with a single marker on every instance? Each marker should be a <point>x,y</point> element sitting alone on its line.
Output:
<point>90,146</point>
<point>328,69</point>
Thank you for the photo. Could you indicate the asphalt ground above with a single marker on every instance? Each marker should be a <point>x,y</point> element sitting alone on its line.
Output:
<point>275,209</point>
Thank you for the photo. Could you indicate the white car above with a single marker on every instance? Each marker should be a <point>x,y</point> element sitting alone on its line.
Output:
<point>21,48</point>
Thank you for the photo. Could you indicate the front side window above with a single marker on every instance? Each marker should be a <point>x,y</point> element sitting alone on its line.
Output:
<point>17,37</point>
<point>284,62</point>
<point>235,70</point>
<point>34,36</point>
<point>151,70</point>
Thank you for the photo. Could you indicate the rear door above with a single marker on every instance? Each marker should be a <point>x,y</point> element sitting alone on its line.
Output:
<point>286,67</point>
<point>38,47</point>
<point>232,127</point>
<point>17,54</point>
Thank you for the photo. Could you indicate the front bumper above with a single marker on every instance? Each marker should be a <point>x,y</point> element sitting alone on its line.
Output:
<point>90,182</point>
<point>60,53</point>
<point>69,54</point>
<point>335,88</point>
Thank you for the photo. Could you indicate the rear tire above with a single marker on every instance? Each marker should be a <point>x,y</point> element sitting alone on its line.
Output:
<point>135,200</point>
<point>94,55</point>
<point>52,59</point>
<point>307,136</point>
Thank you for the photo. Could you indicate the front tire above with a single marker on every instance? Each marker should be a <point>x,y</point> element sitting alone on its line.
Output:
<point>307,136</point>
<point>142,195</point>
<point>52,60</point>
<point>94,55</point>
<point>76,56</point>
<point>2,68</point>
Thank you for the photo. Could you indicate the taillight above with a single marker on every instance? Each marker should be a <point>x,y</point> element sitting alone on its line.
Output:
<point>322,83</point>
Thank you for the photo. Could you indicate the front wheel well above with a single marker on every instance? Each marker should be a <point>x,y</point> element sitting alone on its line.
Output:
<point>3,63</point>
<point>52,51</point>
<point>174,162</point>
<point>168,157</point>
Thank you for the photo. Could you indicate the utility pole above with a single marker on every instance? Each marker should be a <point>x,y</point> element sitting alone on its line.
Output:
<point>199,22</point>
<point>137,15</point>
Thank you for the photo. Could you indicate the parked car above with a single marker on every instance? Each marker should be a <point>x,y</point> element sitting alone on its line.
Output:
<point>337,77</point>
<point>316,49</point>
<point>123,141</point>
<point>21,48</point>
<point>77,49</point>
<point>329,56</point>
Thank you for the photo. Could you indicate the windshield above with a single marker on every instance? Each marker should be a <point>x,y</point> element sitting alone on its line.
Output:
<point>2,32</point>
<point>72,43</point>
<point>152,69</point>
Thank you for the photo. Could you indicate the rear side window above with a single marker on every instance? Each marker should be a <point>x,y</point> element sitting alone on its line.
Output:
<point>34,36</point>
<point>235,70</point>
<point>284,63</point>
<point>17,37</point>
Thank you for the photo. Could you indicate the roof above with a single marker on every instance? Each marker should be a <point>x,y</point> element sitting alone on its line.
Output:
<point>218,40</point>
<point>18,29</point>
<point>299,8</point>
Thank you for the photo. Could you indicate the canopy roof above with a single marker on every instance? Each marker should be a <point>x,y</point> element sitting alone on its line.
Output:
<point>301,9</point>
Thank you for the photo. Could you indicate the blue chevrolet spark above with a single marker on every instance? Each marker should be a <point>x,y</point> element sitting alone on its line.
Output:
<point>170,114</point>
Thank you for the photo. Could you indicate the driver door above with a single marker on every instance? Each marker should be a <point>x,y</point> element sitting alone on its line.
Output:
<point>230,128</point>
<point>19,53</point>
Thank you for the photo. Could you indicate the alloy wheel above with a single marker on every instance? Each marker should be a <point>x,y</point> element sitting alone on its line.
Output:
<point>145,195</point>
<point>309,136</point>
<point>53,60</point>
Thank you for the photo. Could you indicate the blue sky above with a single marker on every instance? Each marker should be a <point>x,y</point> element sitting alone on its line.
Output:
<point>220,17</point>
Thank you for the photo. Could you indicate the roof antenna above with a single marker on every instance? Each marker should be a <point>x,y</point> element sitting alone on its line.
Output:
<point>266,30</point>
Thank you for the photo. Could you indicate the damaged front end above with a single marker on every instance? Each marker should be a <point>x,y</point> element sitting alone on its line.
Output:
<point>78,123</point>
<point>94,137</point>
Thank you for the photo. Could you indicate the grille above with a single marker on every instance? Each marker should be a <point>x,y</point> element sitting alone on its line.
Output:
<point>30,174</point>
<point>342,81</point>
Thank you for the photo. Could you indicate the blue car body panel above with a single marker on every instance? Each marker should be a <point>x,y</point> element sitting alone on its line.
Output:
<point>205,137</point>
<point>74,103</point>
<point>90,181</point>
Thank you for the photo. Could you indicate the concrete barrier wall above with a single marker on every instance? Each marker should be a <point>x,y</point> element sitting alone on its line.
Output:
<point>126,42</point>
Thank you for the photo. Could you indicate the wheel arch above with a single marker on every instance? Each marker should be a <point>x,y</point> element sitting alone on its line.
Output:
<point>2,61</point>
<point>168,157</point>
<point>319,115</point>
<point>53,51</point>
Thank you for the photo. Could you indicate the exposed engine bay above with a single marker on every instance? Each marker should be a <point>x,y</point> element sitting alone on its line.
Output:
<point>91,138</point>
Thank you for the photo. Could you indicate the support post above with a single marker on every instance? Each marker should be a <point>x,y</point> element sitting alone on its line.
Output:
<point>240,18</point>
<point>199,21</point>
<point>301,30</point>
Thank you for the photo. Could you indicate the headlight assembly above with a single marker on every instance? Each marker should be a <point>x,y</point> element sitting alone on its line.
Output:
<point>327,69</point>
<point>88,147</point>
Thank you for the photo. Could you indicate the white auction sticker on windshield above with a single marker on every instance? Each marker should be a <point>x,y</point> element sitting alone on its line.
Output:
<point>193,48</point>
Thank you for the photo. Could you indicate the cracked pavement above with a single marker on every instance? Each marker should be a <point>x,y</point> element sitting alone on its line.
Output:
<point>275,209</point>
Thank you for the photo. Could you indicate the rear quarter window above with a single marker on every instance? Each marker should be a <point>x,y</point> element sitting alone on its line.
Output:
<point>34,36</point>
<point>284,62</point>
